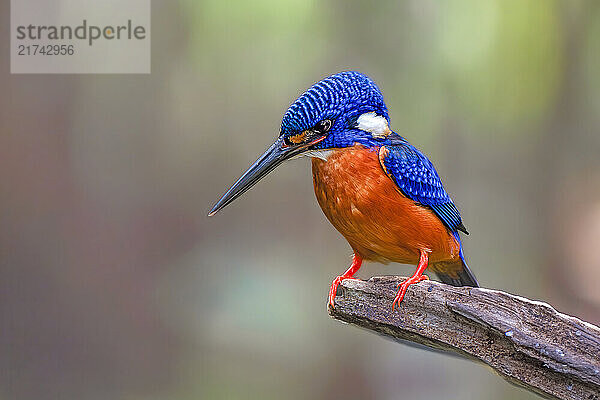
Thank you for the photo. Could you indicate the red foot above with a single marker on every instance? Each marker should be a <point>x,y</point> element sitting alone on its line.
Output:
<point>356,262</point>
<point>333,289</point>
<point>415,278</point>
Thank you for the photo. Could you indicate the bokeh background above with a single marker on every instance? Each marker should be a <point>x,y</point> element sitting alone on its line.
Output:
<point>115,285</point>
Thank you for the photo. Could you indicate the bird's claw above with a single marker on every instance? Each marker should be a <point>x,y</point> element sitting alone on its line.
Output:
<point>334,286</point>
<point>403,287</point>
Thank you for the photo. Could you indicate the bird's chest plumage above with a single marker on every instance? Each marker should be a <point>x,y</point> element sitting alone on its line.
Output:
<point>365,206</point>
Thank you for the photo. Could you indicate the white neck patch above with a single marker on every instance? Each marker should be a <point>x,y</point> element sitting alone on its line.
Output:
<point>375,124</point>
<point>322,154</point>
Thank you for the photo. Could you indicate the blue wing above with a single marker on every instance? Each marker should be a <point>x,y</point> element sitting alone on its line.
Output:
<point>418,180</point>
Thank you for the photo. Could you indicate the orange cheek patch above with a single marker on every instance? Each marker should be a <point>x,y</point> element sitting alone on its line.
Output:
<point>299,138</point>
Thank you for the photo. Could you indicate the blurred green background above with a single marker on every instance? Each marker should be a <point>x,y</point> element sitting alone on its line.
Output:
<point>115,285</point>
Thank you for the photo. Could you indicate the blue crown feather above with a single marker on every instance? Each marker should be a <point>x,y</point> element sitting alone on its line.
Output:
<point>346,93</point>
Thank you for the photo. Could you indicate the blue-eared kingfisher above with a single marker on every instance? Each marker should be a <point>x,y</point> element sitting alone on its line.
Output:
<point>379,191</point>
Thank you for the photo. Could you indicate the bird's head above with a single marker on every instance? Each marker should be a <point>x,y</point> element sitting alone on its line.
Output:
<point>336,112</point>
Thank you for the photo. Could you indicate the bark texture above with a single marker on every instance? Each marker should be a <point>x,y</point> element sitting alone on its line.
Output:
<point>527,342</point>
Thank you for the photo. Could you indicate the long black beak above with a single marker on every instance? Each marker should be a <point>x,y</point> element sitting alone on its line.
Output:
<point>275,155</point>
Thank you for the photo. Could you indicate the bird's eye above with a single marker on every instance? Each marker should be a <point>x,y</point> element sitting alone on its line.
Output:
<point>322,126</point>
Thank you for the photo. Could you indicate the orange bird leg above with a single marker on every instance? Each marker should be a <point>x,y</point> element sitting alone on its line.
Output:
<point>415,278</point>
<point>349,274</point>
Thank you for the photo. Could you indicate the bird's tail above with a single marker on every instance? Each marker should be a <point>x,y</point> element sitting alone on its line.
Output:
<point>458,274</point>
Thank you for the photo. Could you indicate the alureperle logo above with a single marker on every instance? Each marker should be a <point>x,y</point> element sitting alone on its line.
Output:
<point>80,36</point>
<point>84,31</point>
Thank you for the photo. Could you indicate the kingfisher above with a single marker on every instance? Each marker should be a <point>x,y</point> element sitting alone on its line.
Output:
<point>380,192</point>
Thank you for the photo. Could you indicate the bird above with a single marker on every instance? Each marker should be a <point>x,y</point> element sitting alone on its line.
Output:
<point>381,193</point>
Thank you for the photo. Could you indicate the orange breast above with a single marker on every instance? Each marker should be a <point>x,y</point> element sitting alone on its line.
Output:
<point>379,222</point>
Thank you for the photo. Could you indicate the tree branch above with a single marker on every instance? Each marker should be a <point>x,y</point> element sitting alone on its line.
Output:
<point>527,342</point>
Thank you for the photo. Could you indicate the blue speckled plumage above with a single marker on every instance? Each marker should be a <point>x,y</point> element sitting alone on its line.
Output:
<point>332,97</point>
<point>341,98</point>
<point>418,180</point>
